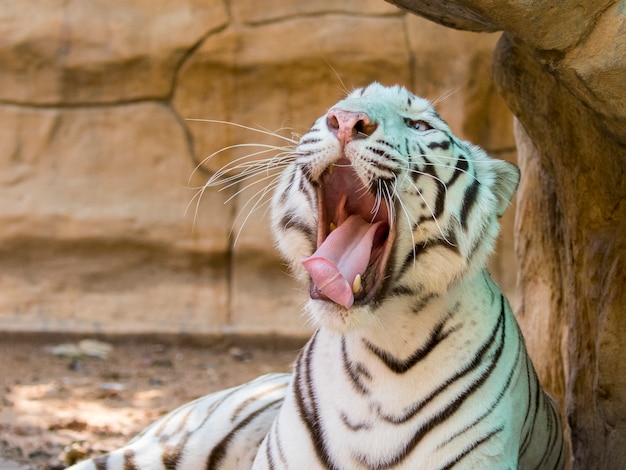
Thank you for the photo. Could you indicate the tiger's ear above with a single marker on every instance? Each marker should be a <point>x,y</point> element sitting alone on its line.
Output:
<point>506,179</point>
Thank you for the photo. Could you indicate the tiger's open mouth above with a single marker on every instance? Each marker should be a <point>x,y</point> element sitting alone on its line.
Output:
<point>354,239</point>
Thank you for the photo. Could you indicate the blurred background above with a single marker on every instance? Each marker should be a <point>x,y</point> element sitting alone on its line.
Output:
<point>101,230</point>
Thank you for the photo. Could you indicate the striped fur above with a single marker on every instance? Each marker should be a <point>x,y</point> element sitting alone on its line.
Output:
<point>221,430</point>
<point>427,368</point>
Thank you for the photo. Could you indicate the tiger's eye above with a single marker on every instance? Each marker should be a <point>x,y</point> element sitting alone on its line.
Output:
<point>421,125</point>
<point>418,125</point>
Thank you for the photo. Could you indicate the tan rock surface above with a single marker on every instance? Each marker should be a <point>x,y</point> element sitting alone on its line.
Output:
<point>117,172</point>
<point>545,25</point>
<point>595,71</point>
<point>70,52</point>
<point>93,223</point>
<point>275,76</point>
<point>96,152</point>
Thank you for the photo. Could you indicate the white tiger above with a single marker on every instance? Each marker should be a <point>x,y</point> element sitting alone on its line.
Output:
<point>417,362</point>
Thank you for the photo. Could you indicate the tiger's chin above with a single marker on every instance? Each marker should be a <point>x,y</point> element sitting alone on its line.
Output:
<point>329,315</point>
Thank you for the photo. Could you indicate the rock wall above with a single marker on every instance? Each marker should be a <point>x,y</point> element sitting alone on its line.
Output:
<point>102,224</point>
<point>561,67</point>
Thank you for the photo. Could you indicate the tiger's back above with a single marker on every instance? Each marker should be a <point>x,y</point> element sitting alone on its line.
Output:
<point>417,361</point>
<point>221,430</point>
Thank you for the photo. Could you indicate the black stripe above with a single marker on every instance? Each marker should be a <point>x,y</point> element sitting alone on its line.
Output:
<point>305,169</point>
<point>494,404</point>
<point>418,250</point>
<point>536,401</point>
<point>354,427</point>
<point>219,452</point>
<point>445,145</point>
<point>303,389</point>
<point>469,199</point>
<point>284,196</point>
<point>101,462</point>
<point>414,168</point>
<point>421,248</point>
<point>353,374</point>
<point>470,448</point>
<point>529,406</point>
<point>309,140</point>
<point>547,442</point>
<point>272,437</point>
<point>383,165</point>
<point>559,462</point>
<point>478,241</point>
<point>447,411</point>
<point>269,455</point>
<point>379,152</point>
<point>402,290</point>
<point>529,394</point>
<point>399,366</point>
<point>308,192</point>
<point>461,167</point>
<point>419,305</point>
<point>171,455</point>
<point>553,430</point>
<point>386,144</point>
<point>290,221</point>
<point>279,446</point>
<point>465,370</point>
<point>252,398</point>
<point>429,170</point>
<point>190,408</point>
<point>451,241</point>
<point>129,460</point>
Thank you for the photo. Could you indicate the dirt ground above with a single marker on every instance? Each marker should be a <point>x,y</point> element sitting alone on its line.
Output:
<point>58,402</point>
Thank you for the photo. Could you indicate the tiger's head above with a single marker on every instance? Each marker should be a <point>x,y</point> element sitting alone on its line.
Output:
<point>382,201</point>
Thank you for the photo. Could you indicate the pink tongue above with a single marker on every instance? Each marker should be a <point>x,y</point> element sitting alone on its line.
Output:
<point>344,254</point>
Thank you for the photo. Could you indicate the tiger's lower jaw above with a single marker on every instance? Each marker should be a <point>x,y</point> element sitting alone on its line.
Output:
<point>328,314</point>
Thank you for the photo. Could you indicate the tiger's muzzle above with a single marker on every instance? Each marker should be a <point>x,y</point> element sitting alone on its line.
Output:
<point>355,232</point>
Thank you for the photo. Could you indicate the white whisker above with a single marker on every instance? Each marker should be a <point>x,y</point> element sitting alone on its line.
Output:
<point>433,177</point>
<point>445,95</point>
<point>442,165</point>
<point>377,201</point>
<point>409,219</point>
<point>242,169</point>
<point>343,87</point>
<point>432,213</point>
<point>198,195</point>
<point>248,186</point>
<point>258,202</point>
<point>253,129</point>
<point>241,162</point>
<point>247,174</point>
<point>390,205</point>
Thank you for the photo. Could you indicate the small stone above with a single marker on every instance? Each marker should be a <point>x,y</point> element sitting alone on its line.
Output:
<point>239,354</point>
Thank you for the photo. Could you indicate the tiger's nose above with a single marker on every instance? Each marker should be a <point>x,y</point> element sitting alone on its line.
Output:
<point>350,125</point>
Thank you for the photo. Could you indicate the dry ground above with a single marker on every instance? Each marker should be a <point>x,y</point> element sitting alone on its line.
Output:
<point>50,401</point>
